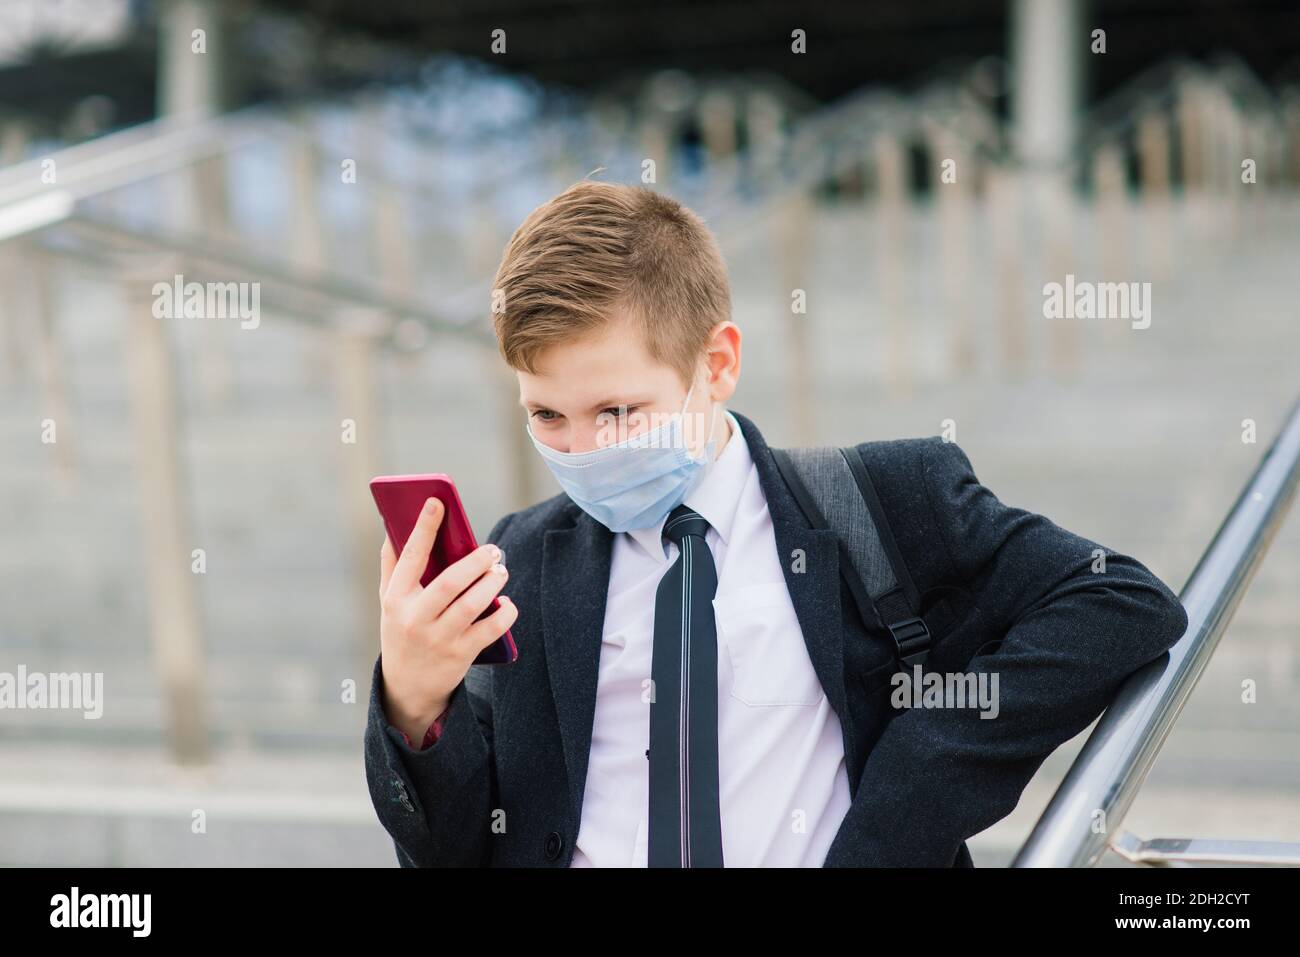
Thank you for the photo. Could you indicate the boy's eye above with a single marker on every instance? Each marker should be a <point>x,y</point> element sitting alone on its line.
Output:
<point>617,411</point>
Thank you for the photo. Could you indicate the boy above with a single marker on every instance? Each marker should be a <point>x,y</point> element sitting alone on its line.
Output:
<point>692,687</point>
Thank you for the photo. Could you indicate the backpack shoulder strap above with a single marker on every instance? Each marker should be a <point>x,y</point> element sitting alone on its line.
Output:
<point>831,486</point>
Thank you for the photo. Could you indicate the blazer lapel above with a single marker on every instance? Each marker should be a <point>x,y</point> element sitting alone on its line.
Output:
<point>810,560</point>
<point>575,581</point>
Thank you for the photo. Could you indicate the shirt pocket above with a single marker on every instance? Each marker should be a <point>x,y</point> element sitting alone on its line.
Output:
<point>760,632</point>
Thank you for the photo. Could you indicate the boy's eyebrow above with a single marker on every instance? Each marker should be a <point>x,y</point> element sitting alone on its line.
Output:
<point>602,404</point>
<point>616,402</point>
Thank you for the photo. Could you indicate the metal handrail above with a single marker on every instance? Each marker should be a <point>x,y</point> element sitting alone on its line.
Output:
<point>29,206</point>
<point>136,154</point>
<point>1113,763</point>
<point>1187,852</point>
<point>320,296</point>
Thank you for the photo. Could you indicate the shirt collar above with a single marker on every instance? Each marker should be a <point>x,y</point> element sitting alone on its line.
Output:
<point>715,498</point>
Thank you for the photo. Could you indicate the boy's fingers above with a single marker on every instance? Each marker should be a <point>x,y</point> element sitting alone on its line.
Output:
<point>387,562</point>
<point>482,633</point>
<point>454,579</point>
<point>461,613</point>
<point>415,556</point>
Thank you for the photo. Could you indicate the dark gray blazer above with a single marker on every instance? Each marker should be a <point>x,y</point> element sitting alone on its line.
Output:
<point>503,785</point>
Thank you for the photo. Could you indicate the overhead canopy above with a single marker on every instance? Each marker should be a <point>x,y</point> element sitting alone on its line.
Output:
<point>310,45</point>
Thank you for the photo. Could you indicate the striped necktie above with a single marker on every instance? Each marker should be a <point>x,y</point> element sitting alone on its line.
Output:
<point>685,827</point>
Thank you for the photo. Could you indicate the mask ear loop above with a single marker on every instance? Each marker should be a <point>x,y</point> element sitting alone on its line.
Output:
<point>713,423</point>
<point>687,400</point>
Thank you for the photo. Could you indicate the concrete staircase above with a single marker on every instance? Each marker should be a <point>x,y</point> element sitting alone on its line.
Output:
<point>1141,451</point>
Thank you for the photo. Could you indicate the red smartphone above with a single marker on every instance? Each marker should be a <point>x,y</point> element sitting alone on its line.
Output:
<point>400,499</point>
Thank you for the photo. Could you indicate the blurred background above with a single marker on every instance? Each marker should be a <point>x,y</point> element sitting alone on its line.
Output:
<point>183,502</point>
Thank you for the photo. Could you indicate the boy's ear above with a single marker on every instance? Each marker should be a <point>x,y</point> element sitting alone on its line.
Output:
<point>723,356</point>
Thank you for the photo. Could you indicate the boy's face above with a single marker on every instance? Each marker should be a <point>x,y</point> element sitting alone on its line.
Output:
<point>606,387</point>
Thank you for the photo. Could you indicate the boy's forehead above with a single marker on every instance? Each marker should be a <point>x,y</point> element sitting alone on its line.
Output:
<point>610,361</point>
<point>611,350</point>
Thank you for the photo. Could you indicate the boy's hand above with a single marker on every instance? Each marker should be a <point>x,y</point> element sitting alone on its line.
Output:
<point>427,635</point>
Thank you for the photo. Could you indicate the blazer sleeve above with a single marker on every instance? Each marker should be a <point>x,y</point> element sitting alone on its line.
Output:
<point>436,803</point>
<point>1071,633</point>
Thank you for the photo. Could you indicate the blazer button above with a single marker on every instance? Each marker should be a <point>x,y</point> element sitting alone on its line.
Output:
<point>554,844</point>
<point>402,796</point>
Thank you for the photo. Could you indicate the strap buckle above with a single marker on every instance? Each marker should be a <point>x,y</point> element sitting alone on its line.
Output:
<point>913,638</point>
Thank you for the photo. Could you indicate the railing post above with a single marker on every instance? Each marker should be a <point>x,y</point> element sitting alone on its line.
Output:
<point>176,629</point>
<point>1110,192</point>
<point>792,227</point>
<point>1057,213</point>
<point>1002,205</point>
<point>952,205</point>
<point>309,249</point>
<point>763,118</point>
<point>389,227</point>
<point>1195,111</point>
<point>212,203</point>
<point>193,87</point>
<point>657,144</point>
<point>1224,170</point>
<point>306,231</point>
<point>486,244</point>
<point>12,340</point>
<point>1291,147</point>
<point>14,137</point>
<point>42,276</point>
<point>359,440</point>
<point>1153,155</point>
<point>890,161</point>
<point>520,455</point>
<point>716,112</point>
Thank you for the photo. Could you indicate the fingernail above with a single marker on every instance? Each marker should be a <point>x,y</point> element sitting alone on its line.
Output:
<point>498,569</point>
<point>497,554</point>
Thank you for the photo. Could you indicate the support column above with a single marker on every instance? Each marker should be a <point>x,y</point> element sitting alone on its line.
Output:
<point>190,83</point>
<point>1048,44</point>
<point>1047,47</point>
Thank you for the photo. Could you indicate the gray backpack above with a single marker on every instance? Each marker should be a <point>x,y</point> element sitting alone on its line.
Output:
<point>831,486</point>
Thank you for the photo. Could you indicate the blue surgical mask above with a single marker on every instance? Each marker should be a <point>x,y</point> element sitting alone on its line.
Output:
<point>636,483</point>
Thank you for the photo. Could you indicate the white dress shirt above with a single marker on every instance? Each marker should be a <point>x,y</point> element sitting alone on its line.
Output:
<point>782,780</point>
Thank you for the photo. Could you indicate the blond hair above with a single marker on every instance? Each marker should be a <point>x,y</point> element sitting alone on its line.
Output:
<point>596,248</point>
